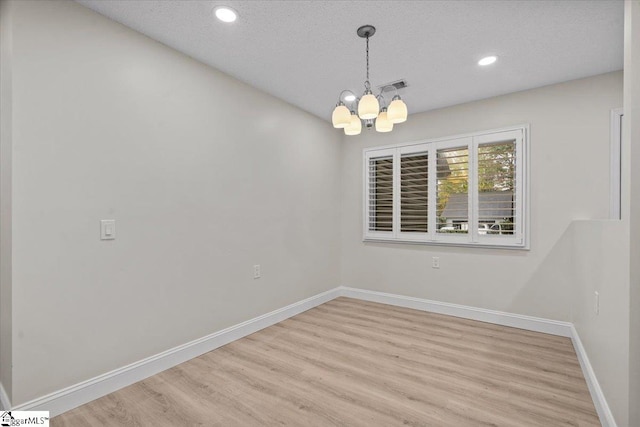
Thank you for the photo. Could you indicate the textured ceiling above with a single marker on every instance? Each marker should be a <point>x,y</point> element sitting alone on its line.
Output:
<point>306,52</point>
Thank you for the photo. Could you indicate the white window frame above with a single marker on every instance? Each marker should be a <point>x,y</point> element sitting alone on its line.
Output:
<point>383,153</point>
<point>443,145</point>
<point>397,212</point>
<point>519,240</point>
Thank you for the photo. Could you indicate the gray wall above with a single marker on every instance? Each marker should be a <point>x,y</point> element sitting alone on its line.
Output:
<point>5,194</point>
<point>599,261</point>
<point>569,180</point>
<point>204,175</point>
<point>631,190</point>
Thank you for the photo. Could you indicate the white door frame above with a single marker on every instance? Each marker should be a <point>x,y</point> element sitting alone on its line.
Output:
<point>615,158</point>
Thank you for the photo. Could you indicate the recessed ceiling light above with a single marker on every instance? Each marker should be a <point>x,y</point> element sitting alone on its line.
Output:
<point>487,60</point>
<point>350,98</point>
<point>225,14</point>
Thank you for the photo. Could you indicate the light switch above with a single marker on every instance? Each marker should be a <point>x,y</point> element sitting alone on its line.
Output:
<point>107,229</point>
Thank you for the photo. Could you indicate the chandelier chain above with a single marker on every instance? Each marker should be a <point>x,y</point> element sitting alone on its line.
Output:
<point>367,84</point>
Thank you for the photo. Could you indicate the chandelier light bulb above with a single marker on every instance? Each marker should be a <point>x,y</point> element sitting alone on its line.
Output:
<point>341,117</point>
<point>368,107</point>
<point>382,122</point>
<point>397,112</point>
<point>355,127</point>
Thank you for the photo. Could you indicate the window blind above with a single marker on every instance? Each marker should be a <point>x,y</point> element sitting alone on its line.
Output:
<point>381,194</point>
<point>414,192</point>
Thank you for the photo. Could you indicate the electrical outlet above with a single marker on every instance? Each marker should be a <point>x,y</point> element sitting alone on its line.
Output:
<point>435,262</point>
<point>256,271</point>
<point>596,303</point>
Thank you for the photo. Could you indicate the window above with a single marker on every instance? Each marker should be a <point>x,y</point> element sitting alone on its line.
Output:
<point>467,190</point>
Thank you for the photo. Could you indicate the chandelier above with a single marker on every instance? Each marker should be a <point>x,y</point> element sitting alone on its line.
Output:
<point>371,109</point>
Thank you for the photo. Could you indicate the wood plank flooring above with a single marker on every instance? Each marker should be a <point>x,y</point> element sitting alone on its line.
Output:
<point>356,363</point>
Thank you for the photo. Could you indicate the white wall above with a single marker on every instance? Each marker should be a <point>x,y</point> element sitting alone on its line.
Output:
<point>569,180</point>
<point>595,256</point>
<point>204,175</point>
<point>631,193</point>
<point>599,253</point>
<point>5,196</point>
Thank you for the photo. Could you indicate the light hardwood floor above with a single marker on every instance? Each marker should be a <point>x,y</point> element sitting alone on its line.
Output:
<point>356,363</point>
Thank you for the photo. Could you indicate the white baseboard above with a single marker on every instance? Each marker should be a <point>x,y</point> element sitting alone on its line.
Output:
<point>553,327</point>
<point>86,391</point>
<point>535,324</point>
<point>5,403</point>
<point>599,401</point>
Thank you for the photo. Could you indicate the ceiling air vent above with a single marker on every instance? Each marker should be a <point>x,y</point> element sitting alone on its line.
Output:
<point>398,84</point>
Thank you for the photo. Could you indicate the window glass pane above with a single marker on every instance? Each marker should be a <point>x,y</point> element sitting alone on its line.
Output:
<point>414,192</point>
<point>381,194</point>
<point>496,186</point>
<point>452,191</point>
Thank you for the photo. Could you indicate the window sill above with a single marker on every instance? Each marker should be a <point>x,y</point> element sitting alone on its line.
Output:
<point>450,244</point>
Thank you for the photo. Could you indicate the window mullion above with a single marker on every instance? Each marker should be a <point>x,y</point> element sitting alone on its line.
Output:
<point>519,190</point>
<point>432,192</point>
<point>473,190</point>
<point>396,194</point>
